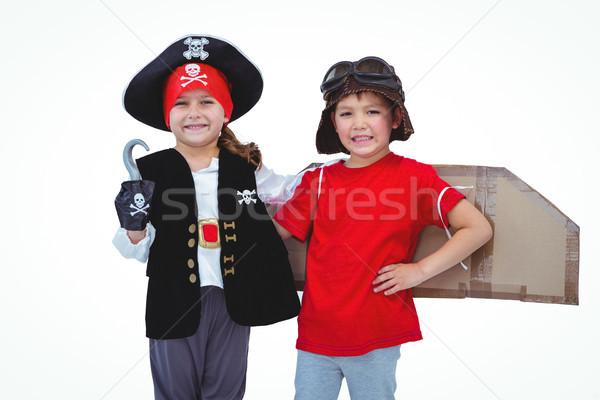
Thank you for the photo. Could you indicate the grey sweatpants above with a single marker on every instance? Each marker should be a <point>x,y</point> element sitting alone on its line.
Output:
<point>370,376</point>
<point>211,364</point>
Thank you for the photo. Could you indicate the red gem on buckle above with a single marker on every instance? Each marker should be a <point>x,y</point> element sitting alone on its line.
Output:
<point>210,233</point>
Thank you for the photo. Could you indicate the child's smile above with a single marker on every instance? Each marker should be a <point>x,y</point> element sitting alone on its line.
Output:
<point>195,127</point>
<point>362,138</point>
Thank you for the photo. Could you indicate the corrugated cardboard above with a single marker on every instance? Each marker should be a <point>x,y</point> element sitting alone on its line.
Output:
<point>533,255</point>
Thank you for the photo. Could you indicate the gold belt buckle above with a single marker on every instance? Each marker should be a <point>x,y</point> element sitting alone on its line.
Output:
<point>202,240</point>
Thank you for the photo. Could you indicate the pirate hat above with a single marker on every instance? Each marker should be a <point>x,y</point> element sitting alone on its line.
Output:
<point>143,97</point>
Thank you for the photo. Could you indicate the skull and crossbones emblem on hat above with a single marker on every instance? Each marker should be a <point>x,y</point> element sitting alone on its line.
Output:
<point>195,48</point>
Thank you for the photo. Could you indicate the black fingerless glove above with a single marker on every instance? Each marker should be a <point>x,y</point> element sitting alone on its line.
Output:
<point>133,204</point>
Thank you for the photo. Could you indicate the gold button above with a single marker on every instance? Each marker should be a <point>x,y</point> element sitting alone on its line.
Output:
<point>191,242</point>
<point>193,278</point>
<point>192,228</point>
<point>191,263</point>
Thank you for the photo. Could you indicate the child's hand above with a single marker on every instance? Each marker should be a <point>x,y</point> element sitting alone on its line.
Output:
<point>396,277</point>
<point>473,230</point>
<point>136,236</point>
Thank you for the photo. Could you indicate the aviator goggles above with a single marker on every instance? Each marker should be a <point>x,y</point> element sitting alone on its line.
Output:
<point>367,71</point>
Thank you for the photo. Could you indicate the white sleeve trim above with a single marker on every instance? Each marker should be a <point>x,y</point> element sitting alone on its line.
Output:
<point>138,251</point>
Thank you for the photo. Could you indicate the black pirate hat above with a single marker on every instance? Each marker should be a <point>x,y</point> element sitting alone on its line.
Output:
<point>143,97</point>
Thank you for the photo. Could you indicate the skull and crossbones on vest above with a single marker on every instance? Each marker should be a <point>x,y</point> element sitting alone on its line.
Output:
<point>247,196</point>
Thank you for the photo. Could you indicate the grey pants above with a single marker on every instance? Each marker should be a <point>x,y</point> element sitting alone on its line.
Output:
<point>211,364</point>
<point>370,376</point>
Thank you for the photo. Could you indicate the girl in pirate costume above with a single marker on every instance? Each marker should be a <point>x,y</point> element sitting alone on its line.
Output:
<point>216,265</point>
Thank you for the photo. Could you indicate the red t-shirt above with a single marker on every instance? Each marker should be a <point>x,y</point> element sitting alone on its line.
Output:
<point>364,219</point>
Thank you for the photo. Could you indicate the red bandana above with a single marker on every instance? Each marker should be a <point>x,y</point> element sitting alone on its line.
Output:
<point>194,76</point>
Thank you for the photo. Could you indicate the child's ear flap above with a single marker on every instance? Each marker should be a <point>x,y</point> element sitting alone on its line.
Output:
<point>396,117</point>
<point>333,120</point>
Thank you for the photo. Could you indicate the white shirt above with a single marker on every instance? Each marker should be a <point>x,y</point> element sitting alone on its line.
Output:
<point>272,188</point>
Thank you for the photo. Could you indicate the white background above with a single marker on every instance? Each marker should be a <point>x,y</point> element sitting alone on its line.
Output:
<point>498,83</point>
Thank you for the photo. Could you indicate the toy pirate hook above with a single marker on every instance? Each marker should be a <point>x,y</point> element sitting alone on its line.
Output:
<point>133,201</point>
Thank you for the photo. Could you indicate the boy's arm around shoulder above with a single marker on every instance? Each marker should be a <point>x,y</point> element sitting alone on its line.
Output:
<point>473,231</point>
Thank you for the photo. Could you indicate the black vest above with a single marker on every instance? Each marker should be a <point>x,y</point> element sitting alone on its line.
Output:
<point>257,277</point>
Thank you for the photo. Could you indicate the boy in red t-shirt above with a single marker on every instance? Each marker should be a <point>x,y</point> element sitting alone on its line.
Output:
<point>366,214</point>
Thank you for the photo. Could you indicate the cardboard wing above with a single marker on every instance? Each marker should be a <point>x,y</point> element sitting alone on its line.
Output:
<point>533,255</point>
